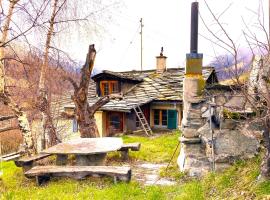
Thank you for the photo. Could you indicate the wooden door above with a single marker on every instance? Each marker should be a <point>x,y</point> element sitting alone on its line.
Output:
<point>114,123</point>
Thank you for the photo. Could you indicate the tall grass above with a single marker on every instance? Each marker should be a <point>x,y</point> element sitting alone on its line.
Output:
<point>10,141</point>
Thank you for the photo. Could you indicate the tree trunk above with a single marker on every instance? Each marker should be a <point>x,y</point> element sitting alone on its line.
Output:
<point>265,166</point>
<point>4,96</point>
<point>88,130</point>
<point>83,112</point>
<point>24,126</point>
<point>42,101</point>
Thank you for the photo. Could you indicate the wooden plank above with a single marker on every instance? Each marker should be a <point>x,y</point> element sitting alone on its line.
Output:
<point>78,172</point>
<point>13,157</point>
<point>132,146</point>
<point>34,158</point>
<point>113,170</point>
<point>55,169</point>
<point>10,154</point>
<point>27,162</point>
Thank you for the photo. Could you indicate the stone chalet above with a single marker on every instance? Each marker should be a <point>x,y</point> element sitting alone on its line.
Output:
<point>157,92</point>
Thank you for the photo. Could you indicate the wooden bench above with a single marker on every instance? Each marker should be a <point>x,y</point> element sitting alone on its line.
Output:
<point>11,156</point>
<point>129,146</point>
<point>44,173</point>
<point>28,162</point>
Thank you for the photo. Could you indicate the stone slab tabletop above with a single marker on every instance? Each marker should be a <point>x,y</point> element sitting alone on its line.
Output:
<point>86,146</point>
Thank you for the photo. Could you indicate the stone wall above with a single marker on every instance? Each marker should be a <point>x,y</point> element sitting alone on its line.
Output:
<point>217,148</point>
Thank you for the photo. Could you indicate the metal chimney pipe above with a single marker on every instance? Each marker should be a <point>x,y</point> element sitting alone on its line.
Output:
<point>194,27</point>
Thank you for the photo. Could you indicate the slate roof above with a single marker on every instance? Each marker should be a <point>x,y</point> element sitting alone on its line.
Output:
<point>131,75</point>
<point>161,87</point>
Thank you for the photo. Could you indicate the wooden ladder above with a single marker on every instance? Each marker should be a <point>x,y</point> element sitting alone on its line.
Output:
<point>143,121</point>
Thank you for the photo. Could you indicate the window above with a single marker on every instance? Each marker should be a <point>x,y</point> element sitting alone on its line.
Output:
<point>156,117</point>
<point>114,87</point>
<point>160,118</point>
<point>105,87</point>
<point>115,121</point>
<point>164,117</point>
<point>109,87</point>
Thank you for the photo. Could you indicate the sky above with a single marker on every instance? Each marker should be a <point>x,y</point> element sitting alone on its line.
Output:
<point>167,24</point>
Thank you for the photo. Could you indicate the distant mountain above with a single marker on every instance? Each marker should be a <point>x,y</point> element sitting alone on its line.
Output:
<point>225,65</point>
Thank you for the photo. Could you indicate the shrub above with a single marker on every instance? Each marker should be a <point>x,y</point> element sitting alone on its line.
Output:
<point>10,141</point>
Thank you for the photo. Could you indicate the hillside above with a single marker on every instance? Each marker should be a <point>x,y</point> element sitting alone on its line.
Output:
<point>22,82</point>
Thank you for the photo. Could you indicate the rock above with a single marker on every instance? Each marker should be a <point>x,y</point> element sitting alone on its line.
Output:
<point>253,130</point>
<point>192,160</point>
<point>190,140</point>
<point>229,145</point>
<point>228,124</point>
<point>190,132</point>
<point>205,112</point>
<point>204,130</point>
<point>232,144</point>
<point>192,89</point>
<point>220,167</point>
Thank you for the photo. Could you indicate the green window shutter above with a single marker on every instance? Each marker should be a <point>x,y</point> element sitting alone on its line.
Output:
<point>172,119</point>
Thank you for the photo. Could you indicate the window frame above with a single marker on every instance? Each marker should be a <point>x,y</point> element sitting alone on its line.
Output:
<point>160,117</point>
<point>164,113</point>
<point>156,117</point>
<point>113,87</point>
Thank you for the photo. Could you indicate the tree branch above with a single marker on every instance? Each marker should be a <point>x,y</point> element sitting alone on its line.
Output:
<point>3,118</point>
<point>9,128</point>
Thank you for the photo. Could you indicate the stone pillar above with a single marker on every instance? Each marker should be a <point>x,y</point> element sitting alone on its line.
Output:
<point>192,157</point>
<point>193,86</point>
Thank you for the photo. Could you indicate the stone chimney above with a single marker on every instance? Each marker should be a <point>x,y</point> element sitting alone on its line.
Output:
<point>193,87</point>
<point>161,62</point>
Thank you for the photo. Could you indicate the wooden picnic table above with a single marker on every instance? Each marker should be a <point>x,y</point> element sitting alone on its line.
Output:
<point>87,151</point>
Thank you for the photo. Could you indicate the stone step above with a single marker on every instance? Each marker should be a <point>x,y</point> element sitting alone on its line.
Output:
<point>194,140</point>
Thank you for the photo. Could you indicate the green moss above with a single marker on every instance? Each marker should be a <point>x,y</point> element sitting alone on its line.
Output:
<point>231,115</point>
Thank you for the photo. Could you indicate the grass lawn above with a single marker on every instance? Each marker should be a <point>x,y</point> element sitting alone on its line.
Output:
<point>158,150</point>
<point>237,182</point>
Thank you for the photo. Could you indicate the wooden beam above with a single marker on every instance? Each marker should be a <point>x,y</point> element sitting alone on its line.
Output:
<point>9,128</point>
<point>3,118</point>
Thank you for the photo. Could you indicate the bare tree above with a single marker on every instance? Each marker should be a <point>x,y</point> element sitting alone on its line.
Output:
<point>4,93</point>
<point>43,103</point>
<point>60,19</point>
<point>84,113</point>
<point>255,92</point>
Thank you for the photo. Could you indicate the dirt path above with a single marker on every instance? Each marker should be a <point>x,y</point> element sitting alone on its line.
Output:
<point>148,174</point>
